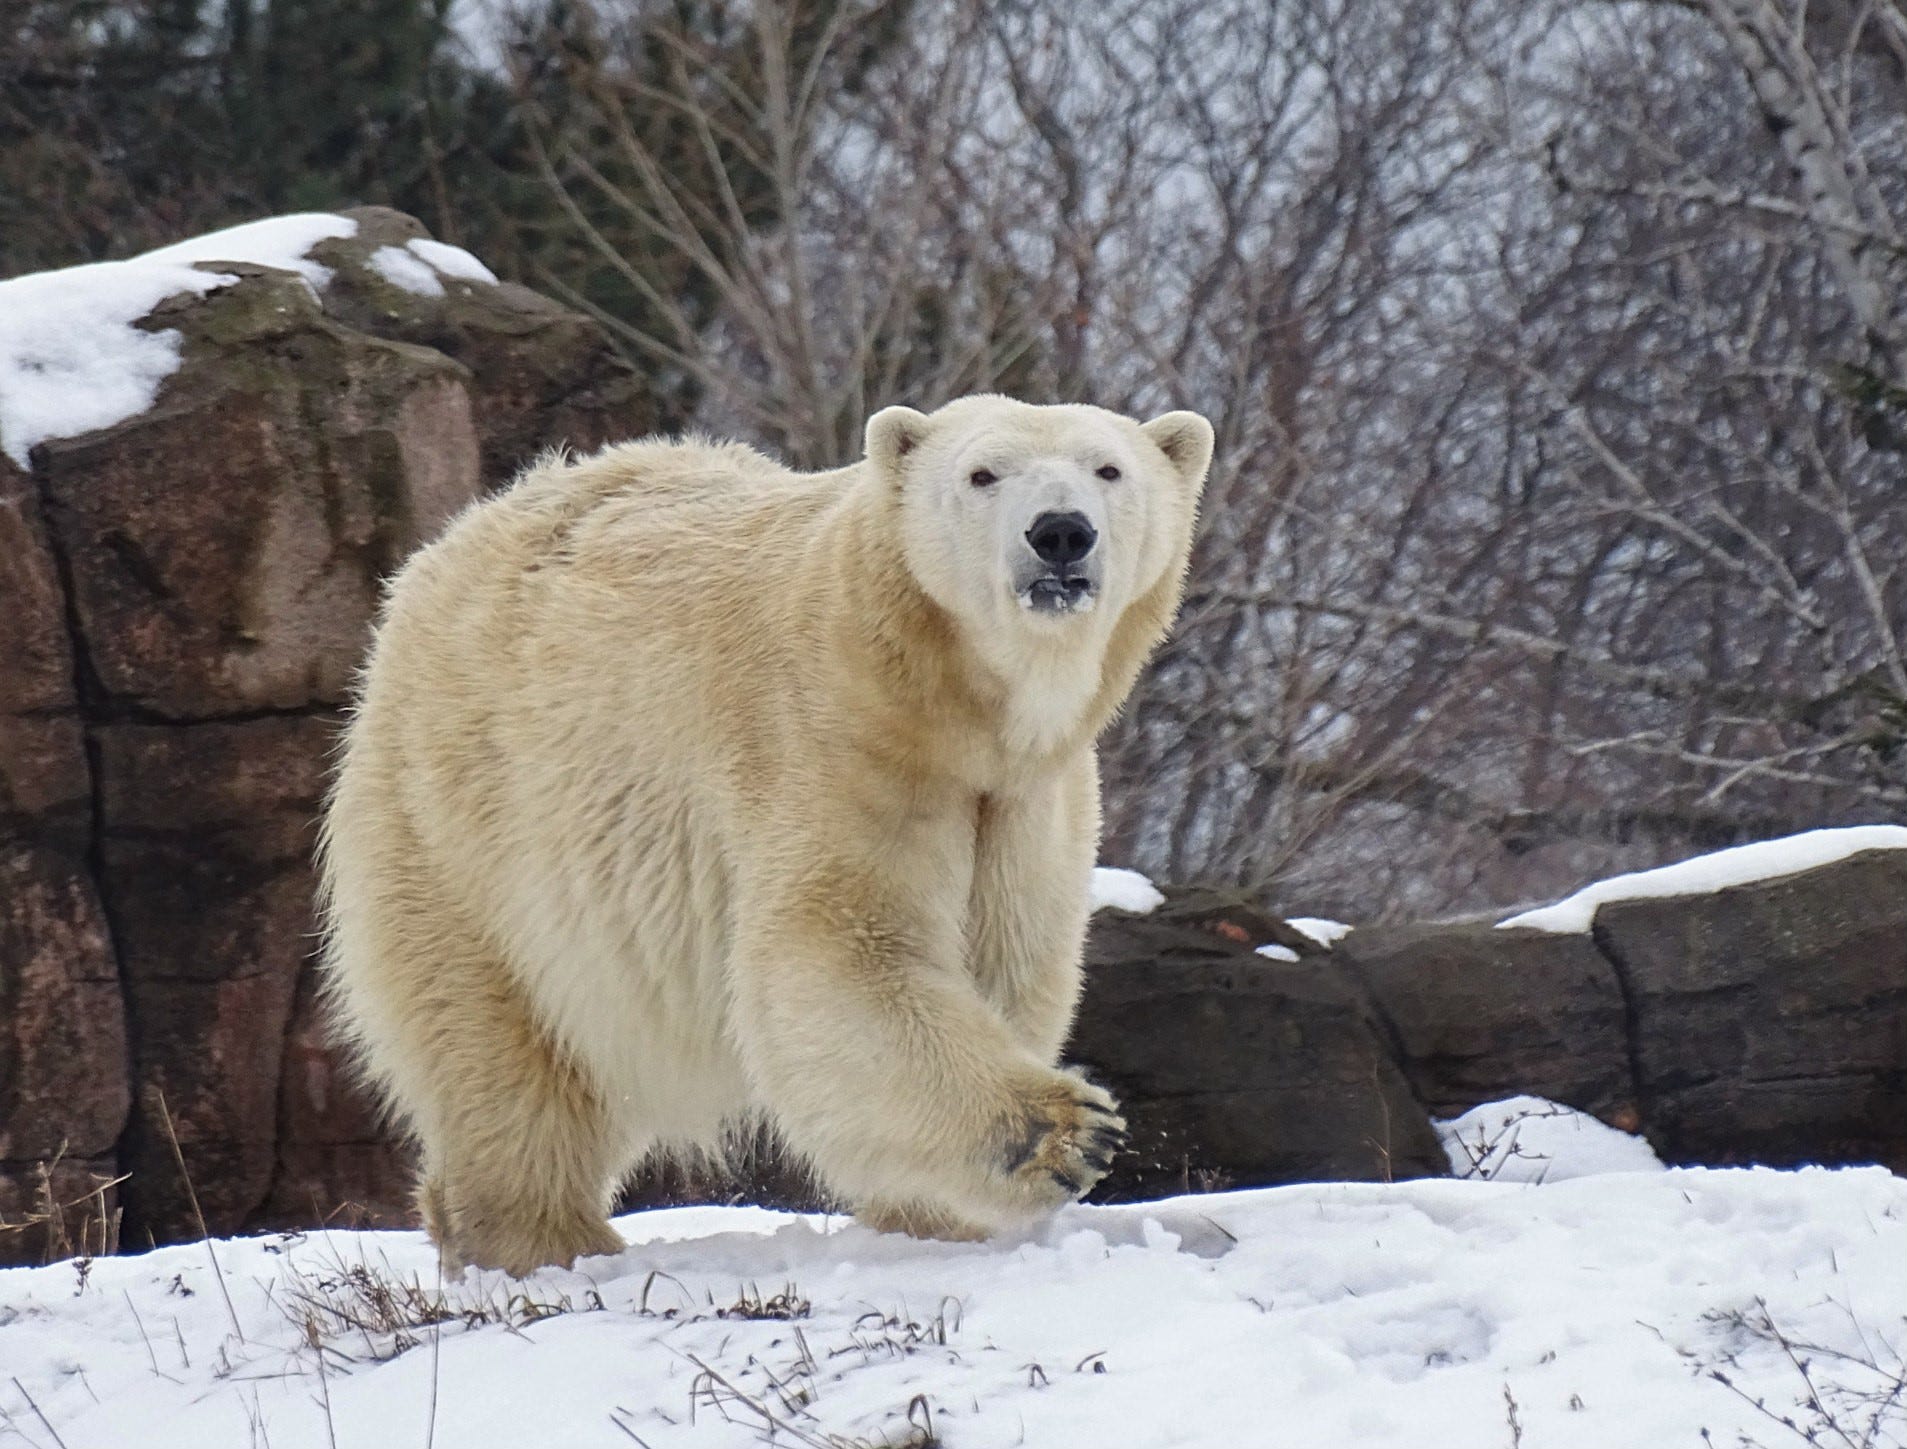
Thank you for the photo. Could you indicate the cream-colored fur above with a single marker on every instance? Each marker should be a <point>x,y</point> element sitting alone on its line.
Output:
<point>684,788</point>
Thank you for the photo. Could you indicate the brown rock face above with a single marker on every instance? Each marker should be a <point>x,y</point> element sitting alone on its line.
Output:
<point>1236,1070</point>
<point>540,374</point>
<point>207,838</point>
<point>186,595</point>
<point>63,1064</point>
<point>1472,1010</point>
<point>1771,1020</point>
<point>44,790</point>
<point>225,548</point>
<point>63,1076</point>
<point>336,1163</point>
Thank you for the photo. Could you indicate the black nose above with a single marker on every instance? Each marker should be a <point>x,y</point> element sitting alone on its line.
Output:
<point>1061,538</point>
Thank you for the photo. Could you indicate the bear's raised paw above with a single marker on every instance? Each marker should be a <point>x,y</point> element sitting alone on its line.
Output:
<point>1066,1141</point>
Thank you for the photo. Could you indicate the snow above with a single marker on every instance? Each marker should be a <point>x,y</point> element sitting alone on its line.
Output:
<point>72,361</point>
<point>419,265</point>
<point>1741,865</point>
<point>1316,1317</point>
<point>452,261</point>
<point>1124,890</point>
<point>276,241</point>
<point>1278,953</point>
<point>1325,932</point>
<point>1531,1139</point>
<point>398,267</point>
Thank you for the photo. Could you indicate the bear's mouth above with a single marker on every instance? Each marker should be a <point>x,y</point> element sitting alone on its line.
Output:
<point>1058,593</point>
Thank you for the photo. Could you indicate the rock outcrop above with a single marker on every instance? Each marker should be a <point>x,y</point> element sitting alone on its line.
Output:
<point>1769,1023</point>
<point>1235,1069</point>
<point>1469,1010</point>
<point>64,1086</point>
<point>1764,1022</point>
<point>187,594</point>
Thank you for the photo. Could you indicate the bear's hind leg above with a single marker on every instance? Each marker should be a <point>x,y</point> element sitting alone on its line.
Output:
<point>520,1166</point>
<point>520,1161</point>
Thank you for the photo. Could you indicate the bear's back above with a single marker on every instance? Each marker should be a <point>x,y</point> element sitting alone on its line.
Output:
<point>648,503</point>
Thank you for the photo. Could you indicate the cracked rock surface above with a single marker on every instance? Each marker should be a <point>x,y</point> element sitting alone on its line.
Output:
<point>187,594</point>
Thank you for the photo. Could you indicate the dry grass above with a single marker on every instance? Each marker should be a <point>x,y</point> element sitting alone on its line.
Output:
<point>350,1313</point>
<point>1504,1146</point>
<point>714,1391</point>
<point>82,1226</point>
<point>781,1409</point>
<point>1854,1399</point>
<point>785,1306</point>
<point>383,1313</point>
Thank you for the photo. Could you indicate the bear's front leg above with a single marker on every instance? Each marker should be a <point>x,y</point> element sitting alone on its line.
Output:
<point>1032,885</point>
<point>870,1043</point>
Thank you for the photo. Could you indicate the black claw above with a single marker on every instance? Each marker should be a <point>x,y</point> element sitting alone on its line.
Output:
<point>1097,1163</point>
<point>1020,1153</point>
<point>1095,1107</point>
<point>1073,1188</point>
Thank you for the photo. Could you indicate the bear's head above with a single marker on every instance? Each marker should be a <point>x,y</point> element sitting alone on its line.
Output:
<point>1020,519</point>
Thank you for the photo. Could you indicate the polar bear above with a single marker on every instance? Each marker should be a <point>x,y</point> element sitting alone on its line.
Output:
<point>683,789</point>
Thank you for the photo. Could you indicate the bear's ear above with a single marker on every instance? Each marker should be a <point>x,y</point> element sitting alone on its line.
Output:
<point>1186,439</point>
<point>892,434</point>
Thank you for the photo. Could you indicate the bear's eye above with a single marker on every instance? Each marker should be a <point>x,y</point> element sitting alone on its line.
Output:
<point>981,478</point>
<point>1109,473</point>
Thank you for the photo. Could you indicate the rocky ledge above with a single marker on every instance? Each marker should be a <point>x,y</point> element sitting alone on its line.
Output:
<point>187,591</point>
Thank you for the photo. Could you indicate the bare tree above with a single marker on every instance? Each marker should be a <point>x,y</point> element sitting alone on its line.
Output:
<point>1552,351</point>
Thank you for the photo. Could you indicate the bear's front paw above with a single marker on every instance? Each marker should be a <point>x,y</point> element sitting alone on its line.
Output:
<point>1064,1140</point>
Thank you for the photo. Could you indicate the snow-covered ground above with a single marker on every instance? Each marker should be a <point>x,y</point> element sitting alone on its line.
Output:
<point>1592,1313</point>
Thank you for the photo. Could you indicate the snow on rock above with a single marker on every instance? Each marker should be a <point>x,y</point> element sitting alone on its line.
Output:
<point>1381,1316</point>
<point>1741,865</point>
<point>1326,933</point>
<point>452,261</point>
<point>1277,952</point>
<point>1532,1139</point>
<point>420,265</point>
<point>276,241</point>
<point>401,269</point>
<point>1124,890</point>
<point>71,359</point>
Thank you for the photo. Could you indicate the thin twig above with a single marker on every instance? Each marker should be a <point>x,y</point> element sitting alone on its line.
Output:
<point>192,1196</point>
<point>44,1421</point>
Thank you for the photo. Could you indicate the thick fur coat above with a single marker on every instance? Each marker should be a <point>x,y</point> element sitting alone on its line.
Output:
<point>684,789</point>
